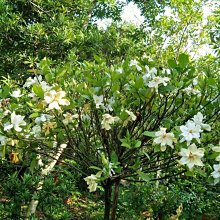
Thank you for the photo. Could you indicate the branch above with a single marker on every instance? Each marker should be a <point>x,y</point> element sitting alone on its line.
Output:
<point>161,178</point>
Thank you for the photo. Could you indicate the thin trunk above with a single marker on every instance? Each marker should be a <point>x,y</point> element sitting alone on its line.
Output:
<point>158,175</point>
<point>108,192</point>
<point>115,200</point>
<point>44,172</point>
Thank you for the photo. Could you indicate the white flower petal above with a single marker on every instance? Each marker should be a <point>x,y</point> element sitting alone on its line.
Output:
<point>206,127</point>
<point>64,102</point>
<point>8,126</point>
<point>54,105</point>
<point>216,149</point>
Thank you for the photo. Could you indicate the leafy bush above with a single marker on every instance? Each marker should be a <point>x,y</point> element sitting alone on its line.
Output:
<point>197,200</point>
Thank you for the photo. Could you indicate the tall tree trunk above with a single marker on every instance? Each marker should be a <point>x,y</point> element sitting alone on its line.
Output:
<point>115,199</point>
<point>44,172</point>
<point>108,193</point>
<point>157,175</point>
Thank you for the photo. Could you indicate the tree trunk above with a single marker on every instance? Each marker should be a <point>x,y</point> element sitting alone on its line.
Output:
<point>44,172</point>
<point>108,192</point>
<point>115,199</point>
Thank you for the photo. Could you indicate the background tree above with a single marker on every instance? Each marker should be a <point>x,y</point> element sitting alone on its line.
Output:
<point>32,30</point>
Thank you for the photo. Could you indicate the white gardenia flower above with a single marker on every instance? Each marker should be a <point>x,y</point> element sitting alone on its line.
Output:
<point>108,120</point>
<point>189,131</point>
<point>131,117</point>
<point>120,70</point>
<point>16,94</point>
<point>217,158</point>
<point>92,181</point>
<point>55,99</point>
<point>3,140</point>
<point>36,131</point>
<point>198,118</point>
<point>6,112</point>
<point>150,74</point>
<point>45,86</point>
<point>135,63</point>
<point>217,149</point>
<point>39,161</point>
<point>166,71</point>
<point>111,102</point>
<point>191,156</point>
<point>146,77</point>
<point>157,80</point>
<point>98,100</point>
<point>16,122</point>
<point>29,82</point>
<point>189,90</point>
<point>68,117</point>
<point>164,139</point>
<point>41,118</point>
<point>37,80</point>
<point>152,71</point>
<point>195,81</point>
<point>216,173</point>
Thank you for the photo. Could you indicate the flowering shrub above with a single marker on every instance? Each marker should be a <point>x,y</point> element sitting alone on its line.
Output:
<point>117,122</point>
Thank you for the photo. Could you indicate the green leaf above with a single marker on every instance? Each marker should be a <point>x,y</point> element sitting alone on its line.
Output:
<point>191,71</point>
<point>33,164</point>
<point>45,66</point>
<point>166,89</point>
<point>60,73</point>
<point>118,169</point>
<point>30,104</point>
<point>201,172</point>
<point>2,152</point>
<point>139,83</point>
<point>14,106</point>
<point>34,115</point>
<point>125,144</point>
<point>38,91</point>
<point>95,168</point>
<point>143,175</point>
<point>48,77</point>
<point>137,144</point>
<point>212,82</point>
<point>136,165</point>
<point>72,162</point>
<point>183,60</point>
<point>214,155</point>
<point>172,63</point>
<point>5,92</point>
<point>147,155</point>
<point>104,160</point>
<point>157,148</point>
<point>150,133</point>
<point>189,173</point>
<point>114,157</point>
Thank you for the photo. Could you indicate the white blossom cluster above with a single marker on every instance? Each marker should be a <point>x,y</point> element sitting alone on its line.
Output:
<point>192,155</point>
